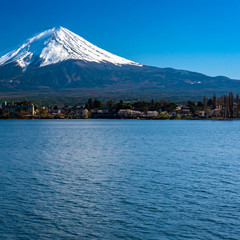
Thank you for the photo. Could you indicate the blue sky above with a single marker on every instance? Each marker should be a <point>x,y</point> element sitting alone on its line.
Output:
<point>197,35</point>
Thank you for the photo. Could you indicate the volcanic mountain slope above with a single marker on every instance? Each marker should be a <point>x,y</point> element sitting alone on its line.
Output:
<point>57,60</point>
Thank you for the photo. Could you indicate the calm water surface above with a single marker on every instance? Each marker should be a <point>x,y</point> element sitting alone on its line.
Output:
<point>119,179</point>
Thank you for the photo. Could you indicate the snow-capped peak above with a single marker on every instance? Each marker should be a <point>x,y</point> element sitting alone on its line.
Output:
<point>59,44</point>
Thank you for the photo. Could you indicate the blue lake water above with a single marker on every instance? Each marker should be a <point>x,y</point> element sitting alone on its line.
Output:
<point>119,179</point>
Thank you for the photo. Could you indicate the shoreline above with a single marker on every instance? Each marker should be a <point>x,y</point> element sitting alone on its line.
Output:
<point>157,119</point>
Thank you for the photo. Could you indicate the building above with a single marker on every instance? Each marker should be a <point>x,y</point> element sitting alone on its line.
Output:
<point>15,109</point>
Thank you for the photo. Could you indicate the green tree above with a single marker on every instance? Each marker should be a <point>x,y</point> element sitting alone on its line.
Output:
<point>192,106</point>
<point>178,116</point>
<point>200,105</point>
<point>97,104</point>
<point>141,106</point>
<point>210,103</point>
<point>163,115</point>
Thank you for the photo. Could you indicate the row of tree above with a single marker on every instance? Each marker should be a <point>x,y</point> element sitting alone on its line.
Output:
<point>142,106</point>
<point>226,105</point>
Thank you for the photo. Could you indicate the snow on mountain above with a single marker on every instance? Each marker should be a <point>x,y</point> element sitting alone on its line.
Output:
<point>59,44</point>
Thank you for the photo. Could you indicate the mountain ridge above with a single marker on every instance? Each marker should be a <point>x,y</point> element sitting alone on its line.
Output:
<point>57,60</point>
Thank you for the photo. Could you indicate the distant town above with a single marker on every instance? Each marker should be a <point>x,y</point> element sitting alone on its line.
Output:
<point>222,108</point>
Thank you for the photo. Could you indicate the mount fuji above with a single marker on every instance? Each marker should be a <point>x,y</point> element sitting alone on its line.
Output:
<point>58,61</point>
<point>57,45</point>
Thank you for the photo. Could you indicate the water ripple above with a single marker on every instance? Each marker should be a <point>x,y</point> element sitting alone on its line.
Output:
<point>119,179</point>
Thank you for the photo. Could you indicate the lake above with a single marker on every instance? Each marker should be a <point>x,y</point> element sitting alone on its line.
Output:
<point>119,179</point>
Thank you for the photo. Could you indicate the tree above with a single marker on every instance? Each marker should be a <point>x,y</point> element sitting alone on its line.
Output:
<point>164,115</point>
<point>93,104</point>
<point>231,103</point>
<point>122,105</point>
<point>200,105</point>
<point>89,104</point>
<point>178,116</point>
<point>141,106</point>
<point>210,103</point>
<point>221,105</point>
<point>205,101</point>
<point>97,104</point>
<point>214,101</point>
<point>192,106</point>
<point>110,103</point>
<point>226,106</point>
<point>170,106</point>
<point>238,106</point>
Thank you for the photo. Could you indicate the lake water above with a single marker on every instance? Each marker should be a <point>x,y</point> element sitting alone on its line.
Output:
<point>119,179</point>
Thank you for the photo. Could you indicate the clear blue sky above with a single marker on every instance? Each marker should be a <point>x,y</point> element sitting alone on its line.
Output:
<point>198,35</point>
